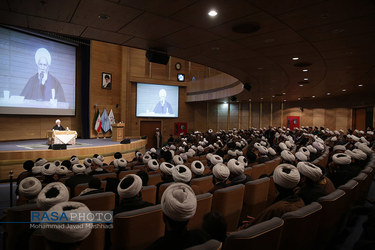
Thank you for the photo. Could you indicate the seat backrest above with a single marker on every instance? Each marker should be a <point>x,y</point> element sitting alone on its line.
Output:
<point>122,174</point>
<point>137,229</point>
<point>265,235</point>
<point>255,197</point>
<point>228,202</point>
<point>149,194</point>
<point>204,183</point>
<point>204,204</point>
<point>248,171</point>
<point>162,188</point>
<point>82,186</point>
<point>272,192</point>
<point>351,188</point>
<point>300,227</point>
<point>258,170</point>
<point>104,176</point>
<point>154,179</point>
<point>208,245</point>
<point>98,202</point>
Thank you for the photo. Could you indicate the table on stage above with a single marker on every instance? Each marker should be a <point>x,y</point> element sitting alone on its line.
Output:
<point>61,137</point>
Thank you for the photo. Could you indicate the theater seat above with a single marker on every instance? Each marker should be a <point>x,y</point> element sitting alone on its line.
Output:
<point>98,202</point>
<point>258,170</point>
<point>272,192</point>
<point>367,183</point>
<point>82,186</point>
<point>122,174</point>
<point>300,227</point>
<point>264,236</point>
<point>255,197</point>
<point>149,194</point>
<point>137,229</point>
<point>351,189</point>
<point>208,245</point>
<point>248,171</point>
<point>228,202</point>
<point>204,204</point>
<point>162,188</point>
<point>105,176</point>
<point>333,211</point>
<point>204,183</point>
<point>154,179</point>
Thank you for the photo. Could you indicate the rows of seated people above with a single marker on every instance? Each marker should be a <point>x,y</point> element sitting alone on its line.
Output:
<point>224,155</point>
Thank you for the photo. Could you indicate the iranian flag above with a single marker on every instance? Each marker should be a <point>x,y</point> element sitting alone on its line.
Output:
<point>98,123</point>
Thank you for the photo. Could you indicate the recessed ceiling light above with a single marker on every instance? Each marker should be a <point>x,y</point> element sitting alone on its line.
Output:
<point>261,98</point>
<point>249,100</point>
<point>305,70</point>
<point>284,100</point>
<point>313,96</point>
<point>328,93</point>
<point>212,13</point>
<point>344,90</point>
<point>103,16</point>
<point>273,96</point>
<point>299,98</point>
<point>284,93</point>
<point>301,85</point>
<point>259,68</point>
<point>305,79</point>
<point>360,85</point>
<point>295,58</point>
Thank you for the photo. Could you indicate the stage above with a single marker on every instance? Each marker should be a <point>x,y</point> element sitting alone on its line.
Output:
<point>14,153</point>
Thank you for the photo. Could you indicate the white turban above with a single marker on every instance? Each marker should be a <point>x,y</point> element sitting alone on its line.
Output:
<point>197,167</point>
<point>257,145</point>
<point>166,168</point>
<point>30,187</point>
<point>288,156</point>
<point>309,170</point>
<point>153,164</point>
<point>42,53</point>
<point>51,195</point>
<point>61,170</point>
<point>172,147</point>
<point>238,144</point>
<point>48,169</point>
<point>286,176</point>
<point>78,169</point>
<point>301,156</point>
<point>57,163</point>
<point>282,146</point>
<point>339,147</point>
<point>74,160</point>
<point>153,150</point>
<point>179,202</point>
<point>305,151</point>
<point>68,234</point>
<point>146,158</point>
<point>129,186</point>
<point>181,173</point>
<point>41,162</point>
<point>87,162</point>
<point>311,149</point>
<point>370,132</point>
<point>184,156</point>
<point>191,152</point>
<point>36,169</point>
<point>288,144</point>
<point>138,154</point>
<point>271,151</point>
<point>263,150</point>
<point>363,139</point>
<point>359,154</point>
<point>215,159</point>
<point>235,167</point>
<point>100,157</point>
<point>243,160</point>
<point>334,138</point>
<point>365,148</point>
<point>208,156</point>
<point>239,152</point>
<point>200,149</point>
<point>58,120</point>
<point>318,145</point>
<point>232,153</point>
<point>319,140</point>
<point>178,160</point>
<point>220,171</point>
<point>181,149</point>
<point>97,161</point>
<point>120,162</point>
<point>355,138</point>
<point>194,148</point>
<point>341,159</point>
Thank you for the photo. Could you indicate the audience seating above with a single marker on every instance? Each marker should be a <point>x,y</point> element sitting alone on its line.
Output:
<point>258,170</point>
<point>204,183</point>
<point>105,176</point>
<point>255,197</point>
<point>248,171</point>
<point>98,202</point>
<point>122,174</point>
<point>82,186</point>
<point>272,192</point>
<point>351,189</point>
<point>265,236</point>
<point>162,188</point>
<point>204,203</point>
<point>137,229</point>
<point>300,227</point>
<point>367,183</point>
<point>208,245</point>
<point>228,202</point>
<point>149,194</point>
<point>154,179</point>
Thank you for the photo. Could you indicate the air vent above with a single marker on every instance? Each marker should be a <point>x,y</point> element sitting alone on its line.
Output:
<point>246,28</point>
<point>302,64</point>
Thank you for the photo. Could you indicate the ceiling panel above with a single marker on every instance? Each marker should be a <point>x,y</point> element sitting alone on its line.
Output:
<point>88,11</point>
<point>150,26</point>
<point>144,44</point>
<point>108,36</point>
<point>276,7</point>
<point>14,19</point>
<point>55,26</point>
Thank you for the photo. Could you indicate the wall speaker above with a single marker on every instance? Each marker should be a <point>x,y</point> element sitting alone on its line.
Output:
<point>157,57</point>
<point>57,146</point>
<point>247,86</point>
<point>125,141</point>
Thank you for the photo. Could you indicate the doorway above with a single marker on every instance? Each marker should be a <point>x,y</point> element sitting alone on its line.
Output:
<point>148,129</point>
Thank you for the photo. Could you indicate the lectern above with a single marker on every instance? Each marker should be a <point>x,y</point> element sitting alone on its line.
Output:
<point>118,131</point>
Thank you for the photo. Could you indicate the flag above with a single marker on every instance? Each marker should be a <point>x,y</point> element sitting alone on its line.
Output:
<point>98,122</point>
<point>111,118</point>
<point>106,125</point>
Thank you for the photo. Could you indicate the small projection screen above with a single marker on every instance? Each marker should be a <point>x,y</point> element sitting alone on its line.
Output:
<point>155,100</point>
<point>37,75</point>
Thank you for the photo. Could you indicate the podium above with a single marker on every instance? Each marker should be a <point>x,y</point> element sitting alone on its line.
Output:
<point>61,137</point>
<point>118,131</point>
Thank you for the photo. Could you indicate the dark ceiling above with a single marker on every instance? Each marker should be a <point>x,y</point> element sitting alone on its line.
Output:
<point>336,36</point>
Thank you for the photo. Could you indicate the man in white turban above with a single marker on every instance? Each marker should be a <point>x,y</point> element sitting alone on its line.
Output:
<point>30,188</point>
<point>197,168</point>
<point>79,177</point>
<point>51,195</point>
<point>340,169</point>
<point>237,175</point>
<point>287,157</point>
<point>43,86</point>
<point>181,173</point>
<point>311,175</point>
<point>220,174</point>
<point>129,190</point>
<point>97,166</point>
<point>179,205</point>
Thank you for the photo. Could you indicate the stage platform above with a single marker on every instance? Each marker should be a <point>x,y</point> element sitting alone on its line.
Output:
<point>14,153</point>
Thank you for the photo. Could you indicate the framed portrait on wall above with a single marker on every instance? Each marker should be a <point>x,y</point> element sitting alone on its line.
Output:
<point>106,80</point>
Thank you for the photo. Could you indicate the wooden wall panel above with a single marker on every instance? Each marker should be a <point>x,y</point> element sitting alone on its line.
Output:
<point>244,116</point>
<point>330,118</point>
<point>266,114</point>
<point>255,115</point>
<point>233,115</point>
<point>318,117</point>
<point>276,119</point>
<point>212,118</point>
<point>222,114</point>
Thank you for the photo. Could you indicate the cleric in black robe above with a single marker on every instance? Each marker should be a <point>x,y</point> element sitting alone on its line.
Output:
<point>163,107</point>
<point>58,126</point>
<point>43,86</point>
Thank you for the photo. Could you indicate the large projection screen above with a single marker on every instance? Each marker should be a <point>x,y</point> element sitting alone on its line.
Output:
<point>154,100</point>
<point>37,75</point>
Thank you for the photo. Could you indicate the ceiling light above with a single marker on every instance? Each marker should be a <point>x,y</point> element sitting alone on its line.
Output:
<point>301,85</point>
<point>344,90</point>
<point>259,68</point>
<point>295,58</point>
<point>284,100</point>
<point>360,85</point>
<point>299,98</point>
<point>313,96</point>
<point>249,100</point>
<point>273,96</point>
<point>284,93</point>
<point>305,70</point>
<point>328,93</point>
<point>306,79</point>
<point>103,16</point>
<point>212,13</point>
<point>261,98</point>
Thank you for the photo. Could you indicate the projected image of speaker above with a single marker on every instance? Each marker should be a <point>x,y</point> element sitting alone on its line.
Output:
<point>157,57</point>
